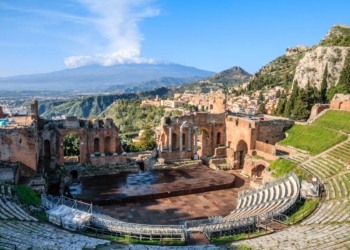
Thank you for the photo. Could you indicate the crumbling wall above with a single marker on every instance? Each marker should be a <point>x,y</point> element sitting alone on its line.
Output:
<point>272,131</point>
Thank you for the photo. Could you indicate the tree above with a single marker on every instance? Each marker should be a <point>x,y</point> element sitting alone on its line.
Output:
<point>262,108</point>
<point>147,141</point>
<point>261,98</point>
<point>281,106</point>
<point>71,145</point>
<point>324,86</point>
<point>290,104</point>
<point>301,109</point>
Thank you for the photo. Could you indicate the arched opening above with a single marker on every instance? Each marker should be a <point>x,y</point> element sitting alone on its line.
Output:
<point>257,171</point>
<point>183,140</point>
<point>341,105</point>
<point>211,106</point>
<point>241,151</point>
<point>108,144</point>
<point>47,148</point>
<point>71,148</point>
<point>74,174</point>
<point>218,138</point>
<point>96,145</point>
<point>173,140</point>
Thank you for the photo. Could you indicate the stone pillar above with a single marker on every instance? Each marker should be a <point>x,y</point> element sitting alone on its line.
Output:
<point>170,141</point>
<point>189,139</point>
<point>213,139</point>
<point>181,139</point>
<point>195,155</point>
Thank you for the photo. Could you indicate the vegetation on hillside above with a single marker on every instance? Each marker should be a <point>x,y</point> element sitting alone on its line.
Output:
<point>131,117</point>
<point>312,138</point>
<point>95,105</point>
<point>337,36</point>
<point>147,141</point>
<point>279,72</point>
<point>335,119</point>
<point>221,80</point>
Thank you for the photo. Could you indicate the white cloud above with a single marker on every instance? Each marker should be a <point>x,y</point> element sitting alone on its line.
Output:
<point>117,21</point>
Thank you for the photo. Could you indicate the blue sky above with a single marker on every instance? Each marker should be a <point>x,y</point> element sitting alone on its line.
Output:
<point>42,36</point>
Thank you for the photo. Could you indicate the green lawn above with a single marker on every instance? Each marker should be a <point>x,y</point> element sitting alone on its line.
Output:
<point>280,167</point>
<point>335,119</point>
<point>312,138</point>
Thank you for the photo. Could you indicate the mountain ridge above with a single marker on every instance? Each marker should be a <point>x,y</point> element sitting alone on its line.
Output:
<point>96,76</point>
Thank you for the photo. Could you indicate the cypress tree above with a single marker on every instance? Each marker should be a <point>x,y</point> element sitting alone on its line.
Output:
<point>301,110</point>
<point>290,103</point>
<point>324,85</point>
<point>280,107</point>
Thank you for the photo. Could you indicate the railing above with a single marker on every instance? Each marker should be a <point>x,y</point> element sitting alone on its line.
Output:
<point>116,227</point>
<point>104,233</point>
<point>204,222</point>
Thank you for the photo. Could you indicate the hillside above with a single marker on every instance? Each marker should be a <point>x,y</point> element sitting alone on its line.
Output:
<point>223,79</point>
<point>156,83</point>
<point>97,77</point>
<point>307,64</point>
<point>94,105</point>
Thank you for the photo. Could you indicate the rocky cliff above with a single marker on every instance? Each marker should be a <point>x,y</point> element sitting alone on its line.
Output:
<point>311,67</point>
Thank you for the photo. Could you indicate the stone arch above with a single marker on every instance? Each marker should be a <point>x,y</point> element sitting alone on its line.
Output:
<point>96,145</point>
<point>108,144</point>
<point>211,106</point>
<point>341,105</point>
<point>241,151</point>
<point>47,148</point>
<point>257,170</point>
<point>60,147</point>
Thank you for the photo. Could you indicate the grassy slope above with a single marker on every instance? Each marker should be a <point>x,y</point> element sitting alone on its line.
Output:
<point>312,138</point>
<point>280,167</point>
<point>335,119</point>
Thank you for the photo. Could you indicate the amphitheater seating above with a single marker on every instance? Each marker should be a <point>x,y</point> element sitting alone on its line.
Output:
<point>267,199</point>
<point>6,174</point>
<point>10,210</point>
<point>34,235</point>
<point>328,227</point>
<point>274,199</point>
<point>304,237</point>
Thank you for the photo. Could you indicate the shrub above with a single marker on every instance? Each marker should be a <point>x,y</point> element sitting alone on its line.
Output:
<point>27,195</point>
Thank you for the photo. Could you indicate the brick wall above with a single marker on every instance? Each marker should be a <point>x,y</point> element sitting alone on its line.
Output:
<point>265,147</point>
<point>100,161</point>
